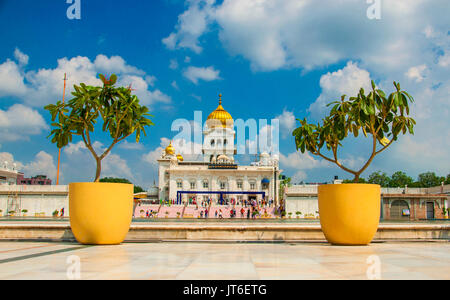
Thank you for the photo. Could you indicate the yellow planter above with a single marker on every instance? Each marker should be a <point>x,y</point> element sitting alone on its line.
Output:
<point>349,213</point>
<point>100,212</point>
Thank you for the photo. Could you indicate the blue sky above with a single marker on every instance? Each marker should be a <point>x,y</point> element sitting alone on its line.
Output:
<point>269,59</point>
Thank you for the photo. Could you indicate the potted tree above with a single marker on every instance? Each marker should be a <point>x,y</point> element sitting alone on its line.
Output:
<point>298,213</point>
<point>100,212</point>
<point>1,212</point>
<point>55,213</point>
<point>24,212</point>
<point>349,213</point>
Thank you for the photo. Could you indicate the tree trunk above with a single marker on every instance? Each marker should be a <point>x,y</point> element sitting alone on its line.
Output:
<point>99,170</point>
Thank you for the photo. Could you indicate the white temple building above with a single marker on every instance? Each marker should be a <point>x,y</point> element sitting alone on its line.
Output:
<point>217,176</point>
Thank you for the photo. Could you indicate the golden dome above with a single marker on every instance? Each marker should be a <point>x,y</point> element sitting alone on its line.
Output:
<point>170,150</point>
<point>220,115</point>
<point>180,157</point>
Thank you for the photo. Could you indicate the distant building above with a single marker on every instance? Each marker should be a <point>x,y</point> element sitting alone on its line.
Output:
<point>36,180</point>
<point>217,176</point>
<point>8,173</point>
<point>37,200</point>
<point>408,204</point>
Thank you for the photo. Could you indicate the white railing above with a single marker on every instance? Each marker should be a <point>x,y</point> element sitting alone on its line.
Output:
<point>35,188</point>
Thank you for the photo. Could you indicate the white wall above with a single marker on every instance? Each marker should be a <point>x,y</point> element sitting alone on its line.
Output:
<point>34,198</point>
<point>306,205</point>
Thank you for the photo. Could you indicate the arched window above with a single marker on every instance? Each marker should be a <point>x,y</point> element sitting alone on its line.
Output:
<point>205,184</point>
<point>398,207</point>
<point>212,143</point>
<point>239,184</point>
<point>225,142</point>
<point>193,185</point>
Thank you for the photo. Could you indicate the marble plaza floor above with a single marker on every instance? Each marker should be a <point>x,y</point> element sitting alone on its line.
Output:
<point>201,260</point>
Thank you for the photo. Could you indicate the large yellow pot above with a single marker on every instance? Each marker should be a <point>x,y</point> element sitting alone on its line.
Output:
<point>349,213</point>
<point>100,212</point>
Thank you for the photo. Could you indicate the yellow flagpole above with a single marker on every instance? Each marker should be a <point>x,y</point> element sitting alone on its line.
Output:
<point>59,152</point>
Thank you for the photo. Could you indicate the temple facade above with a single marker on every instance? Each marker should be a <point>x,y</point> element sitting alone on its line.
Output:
<point>217,176</point>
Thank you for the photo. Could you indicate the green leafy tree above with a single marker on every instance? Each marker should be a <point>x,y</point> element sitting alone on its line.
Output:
<point>120,111</point>
<point>361,180</point>
<point>380,178</point>
<point>375,115</point>
<point>447,179</point>
<point>137,189</point>
<point>285,181</point>
<point>429,179</point>
<point>400,179</point>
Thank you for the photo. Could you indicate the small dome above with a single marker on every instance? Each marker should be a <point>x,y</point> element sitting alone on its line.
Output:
<point>170,150</point>
<point>180,157</point>
<point>223,157</point>
<point>220,116</point>
<point>265,180</point>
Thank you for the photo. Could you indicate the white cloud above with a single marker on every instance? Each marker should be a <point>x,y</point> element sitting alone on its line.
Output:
<point>173,64</point>
<point>287,123</point>
<point>76,154</point>
<point>274,34</point>
<point>416,73</point>
<point>141,89</point>
<point>80,147</point>
<point>19,122</point>
<point>444,60</point>
<point>346,81</point>
<point>187,149</point>
<point>191,25</point>
<point>43,164</point>
<point>21,57</point>
<point>11,80</point>
<point>195,74</point>
<point>115,166</point>
<point>114,64</point>
<point>152,156</point>
<point>175,85</point>
<point>299,176</point>
<point>301,161</point>
<point>131,145</point>
<point>43,86</point>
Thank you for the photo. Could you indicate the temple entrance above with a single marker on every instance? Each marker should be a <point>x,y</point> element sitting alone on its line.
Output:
<point>221,195</point>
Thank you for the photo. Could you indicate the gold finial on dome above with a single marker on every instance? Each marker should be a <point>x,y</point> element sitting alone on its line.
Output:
<point>170,150</point>
<point>220,115</point>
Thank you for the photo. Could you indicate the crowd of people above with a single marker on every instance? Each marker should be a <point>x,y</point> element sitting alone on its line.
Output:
<point>237,208</point>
